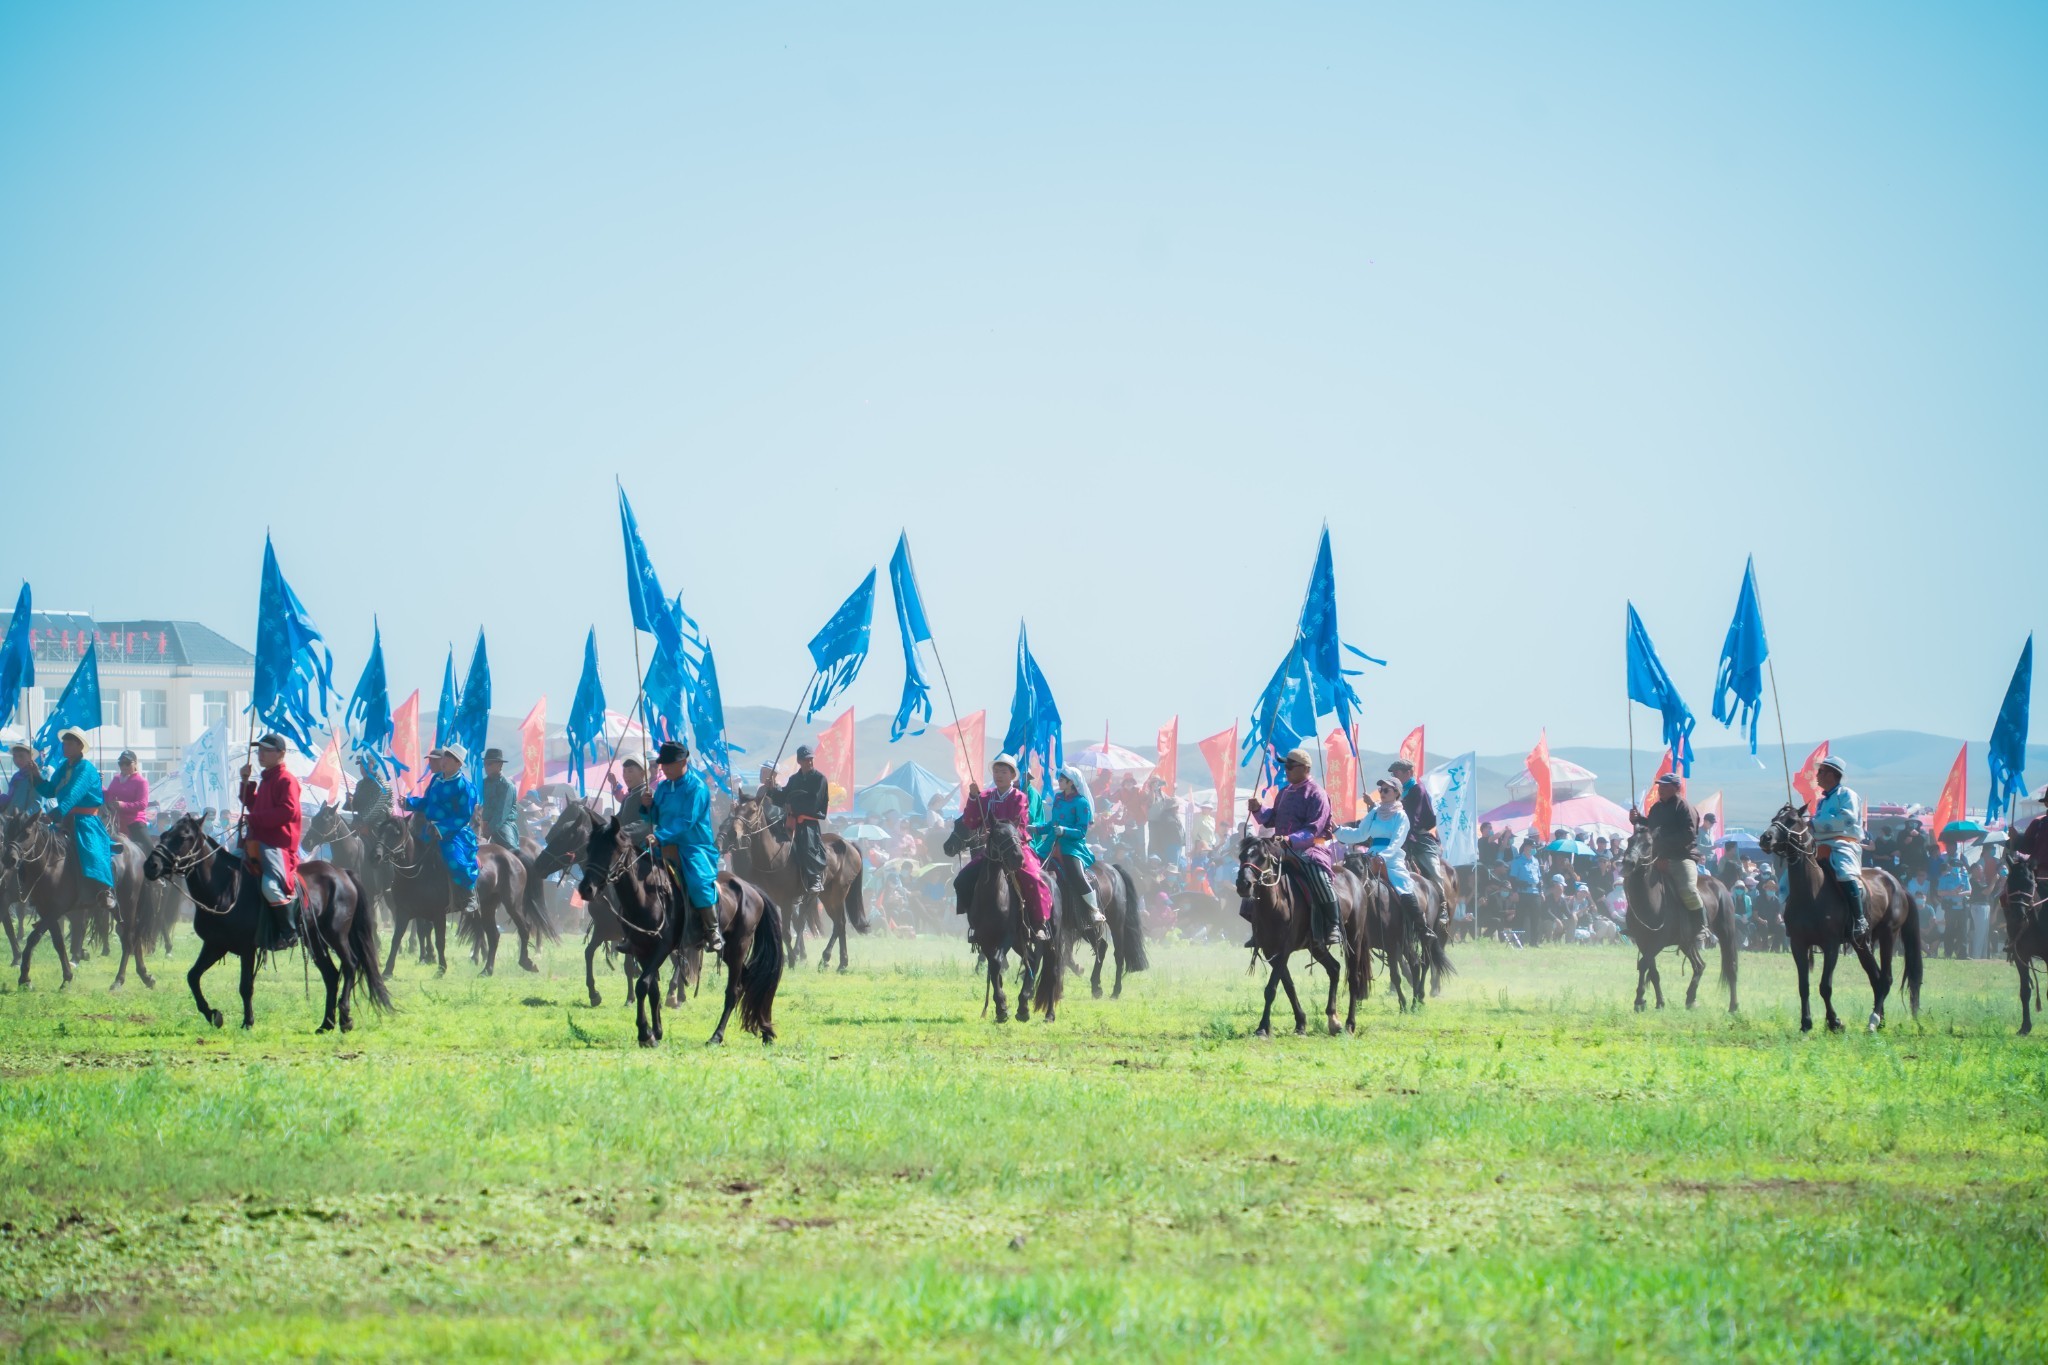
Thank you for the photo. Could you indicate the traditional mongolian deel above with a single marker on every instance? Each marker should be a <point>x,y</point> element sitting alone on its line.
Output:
<point>449,804</point>
<point>75,795</point>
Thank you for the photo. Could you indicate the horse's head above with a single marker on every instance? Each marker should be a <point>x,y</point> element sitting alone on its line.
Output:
<point>600,858</point>
<point>747,819</point>
<point>566,839</point>
<point>1258,864</point>
<point>959,840</point>
<point>1789,832</point>
<point>325,827</point>
<point>181,848</point>
<point>1004,846</point>
<point>14,829</point>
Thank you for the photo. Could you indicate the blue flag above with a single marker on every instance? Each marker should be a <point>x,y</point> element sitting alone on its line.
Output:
<point>1284,716</point>
<point>707,722</point>
<point>585,729</point>
<point>17,660</point>
<point>451,701</point>
<point>369,709</point>
<point>294,674</point>
<point>663,691</point>
<point>841,647</point>
<point>643,585</point>
<point>473,712</point>
<point>916,706</point>
<point>2007,752</point>
<point>1739,686</point>
<point>1649,684</point>
<point>1322,651</point>
<point>1035,727</point>
<point>79,705</point>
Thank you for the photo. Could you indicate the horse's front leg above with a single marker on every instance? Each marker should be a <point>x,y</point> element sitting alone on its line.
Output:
<point>590,967</point>
<point>1095,976</point>
<point>1265,1029</point>
<point>1829,954</point>
<point>1293,998</point>
<point>1880,974</point>
<point>995,985</point>
<point>28,947</point>
<point>1699,967</point>
<point>249,989</point>
<point>1802,963</point>
<point>440,944</point>
<point>1321,953</point>
<point>330,976</point>
<point>400,922</point>
<point>2026,966</point>
<point>1643,961</point>
<point>209,953</point>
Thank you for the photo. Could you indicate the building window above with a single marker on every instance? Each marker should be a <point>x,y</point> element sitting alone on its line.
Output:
<point>156,710</point>
<point>213,708</point>
<point>110,708</point>
<point>50,697</point>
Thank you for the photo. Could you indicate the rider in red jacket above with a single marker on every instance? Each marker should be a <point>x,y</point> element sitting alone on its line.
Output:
<point>271,842</point>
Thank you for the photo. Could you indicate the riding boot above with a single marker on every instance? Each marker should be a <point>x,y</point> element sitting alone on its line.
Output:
<point>1413,905</point>
<point>1094,910</point>
<point>1859,930</point>
<point>1322,922</point>
<point>707,924</point>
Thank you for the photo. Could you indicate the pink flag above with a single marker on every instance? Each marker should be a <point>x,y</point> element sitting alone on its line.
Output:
<point>1342,774</point>
<point>835,760</point>
<point>1712,806</point>
<point>969,737</point>
<point>405,747</point>
<point>533,747</point>
<point>1955,794</point>
<point>1538,764</point>
<point>1803,780</point>
<point>1168,771</point>
<point>1412,751</point>
<point>326,774</point>
<point>1220,752</point>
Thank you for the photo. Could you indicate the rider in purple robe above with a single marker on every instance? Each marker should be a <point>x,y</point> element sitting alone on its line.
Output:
<point>1301,815</point>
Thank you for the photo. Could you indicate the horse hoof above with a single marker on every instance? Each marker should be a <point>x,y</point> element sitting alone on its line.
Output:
<point>442,972</point>
<point>1301,1030</point>
<point>117,985</point>
<point>325,1027</point>
<point>217,1019</point>
<point>842,969</point>
<point>348,1025</point>
<point>2026,1028</point>
<point>1806,1025</point>
<point>1095,991</point>
<point>1876,1021</point>
<point>1834,1026</point>
<point>1262,1032</point>
<point>1336,1029</point>
<point>716,1040</point>
<point>595,1000</point>
<point>526,966</point>
<point>248,1024</point>
<point>1640,1007</point>
<point>645,1041</point>
<point>824,965</point>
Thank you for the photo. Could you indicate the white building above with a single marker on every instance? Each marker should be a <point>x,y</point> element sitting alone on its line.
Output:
<point>162,683</point>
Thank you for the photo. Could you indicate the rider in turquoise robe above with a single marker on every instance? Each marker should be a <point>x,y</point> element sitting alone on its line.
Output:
<point>1062,830</point>
<point>75,796</point>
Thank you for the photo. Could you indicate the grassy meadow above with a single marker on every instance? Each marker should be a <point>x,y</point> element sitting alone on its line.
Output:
<point>1525,1169</point>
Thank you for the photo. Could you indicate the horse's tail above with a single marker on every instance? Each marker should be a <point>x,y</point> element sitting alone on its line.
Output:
<point>362,945</point>
<point>1129,927</point>
<point>1909,935</point>
<point>1436,949</point>
<point>1050,982</point>
<point>537,902</point>
<point>1731,942</point>
<point>762,973</point>
<point>856,907</point>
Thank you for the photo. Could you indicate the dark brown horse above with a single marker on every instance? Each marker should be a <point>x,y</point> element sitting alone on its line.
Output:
<point>1817,915</point>
<point>562,850</point>
<point>1375,921</point>
<point>2026,928</point>
<point>336,924</point>
<point>1280,926</point>
<point>38,851</point>
<point>1657,920</point>
<point>345,847</point>
<point>1122,932</point>
<point>653,915</point>
<point>421,890</point>
<point>760,852</point>
<point>996,914</point>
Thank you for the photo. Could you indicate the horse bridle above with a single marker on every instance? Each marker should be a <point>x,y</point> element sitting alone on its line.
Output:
<point>623,858</point>
<point>1263,864</point>
<point>190,861</point>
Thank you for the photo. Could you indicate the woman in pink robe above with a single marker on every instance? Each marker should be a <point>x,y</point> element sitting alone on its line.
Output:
<point>1007,805</point>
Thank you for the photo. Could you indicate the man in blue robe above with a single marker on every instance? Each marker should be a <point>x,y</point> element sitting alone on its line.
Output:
<point>689,847</point>
<point>75,797</point>
<point>449,805</point>
<point>21,783</point>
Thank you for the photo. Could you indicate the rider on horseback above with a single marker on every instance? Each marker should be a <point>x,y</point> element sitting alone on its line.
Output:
<point>449,805</point>
<point>1006,805</point>
<point>1423,848</point>
<point>270,847</point>
<point>1301,815</point>
<point>1674,829</point>
<point>804,800</point>
<point>21,784</point>
<point>689,847</point>
<point>1385,831</point>
<point>75,796</point>
<point>370,802</point>
<point>498,803</point>
<point>1838,826</point>
<point>1063,837</point>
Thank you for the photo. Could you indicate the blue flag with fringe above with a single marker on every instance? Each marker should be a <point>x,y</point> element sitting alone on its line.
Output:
<point>78,704</point>
<point>916,707</point>
<point>2007,752</point>
<point>1650,685</point>
<point>294,672</point>
<point>17,660</point>
<point>368,715</point>
<point>1035,726</point>
<point>663,691</point>
<point>707,722</point>
<point>1739,686</point>
<point>643,585</point>
<point>473,711</point>
<point>1284,716</point>
<point>841,647</point>
<point>450,703</point>
<point>585,728</point>
<point>1322,649</point>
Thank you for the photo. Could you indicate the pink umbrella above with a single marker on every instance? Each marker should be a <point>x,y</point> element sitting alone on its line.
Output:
<point>1590,812</point>
<point>1109,758</point>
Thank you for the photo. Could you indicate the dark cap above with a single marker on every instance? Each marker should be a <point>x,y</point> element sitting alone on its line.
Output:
<point>672,752</point>
<point>1669,780</point>
<point>1388,784</point>
<point>803,751</point>
<point>1400,765</point>
<point>272,741</point>
<point>494,755</point>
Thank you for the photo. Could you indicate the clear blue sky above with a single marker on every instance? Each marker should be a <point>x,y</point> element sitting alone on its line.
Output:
<point>1542,307</point>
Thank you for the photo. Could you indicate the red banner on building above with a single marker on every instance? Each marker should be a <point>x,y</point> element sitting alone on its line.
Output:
<point>1168,771</point>
<point>1538,765</point>
<point>835,760</point>
<point>533,747</point>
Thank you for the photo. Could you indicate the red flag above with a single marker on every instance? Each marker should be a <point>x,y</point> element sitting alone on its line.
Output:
<point>835,760</point>
<point>1666,766</point>
<point>1412,751</point>
<point>1219,751</point>
<point>1802,781</point>
<point>969,738</point>
<point>533,747</point>
<point>1955,794</point>
<point>1168,771</point>
<point>405,746</point>
<point>326,774</point>
<point>1342,774</point>
<point>1712,806</point>
<point>1538,765</point>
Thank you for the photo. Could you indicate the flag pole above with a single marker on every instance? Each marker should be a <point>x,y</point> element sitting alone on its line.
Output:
<point>1770,665</point>
<point>792,718</point>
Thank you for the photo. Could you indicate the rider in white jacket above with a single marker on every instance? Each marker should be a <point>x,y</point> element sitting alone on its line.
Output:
<point>1838,826</point>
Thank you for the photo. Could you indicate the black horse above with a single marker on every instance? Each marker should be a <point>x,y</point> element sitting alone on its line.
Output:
<point>421,892</point>
<point>1657,920</point>
<point>2026,929</point>
<point>37,852</point>
<point>1280,915</point>
<point>561,850</point>
<point>1122,932</point>
<point>653,914</point>
<point>996,922</point>
<point>1817,915</point>
<point>1374,921</point>
<point>335,922</point>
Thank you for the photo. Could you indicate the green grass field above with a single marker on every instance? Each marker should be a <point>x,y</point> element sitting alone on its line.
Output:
<point>1526,1169</point>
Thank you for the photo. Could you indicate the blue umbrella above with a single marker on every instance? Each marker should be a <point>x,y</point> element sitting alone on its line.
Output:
<point>1571,846</point>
